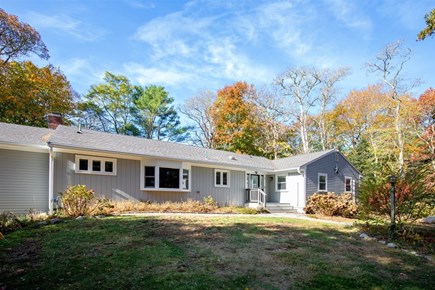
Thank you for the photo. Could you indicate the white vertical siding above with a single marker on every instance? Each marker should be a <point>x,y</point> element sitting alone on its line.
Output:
<point>23,181</point>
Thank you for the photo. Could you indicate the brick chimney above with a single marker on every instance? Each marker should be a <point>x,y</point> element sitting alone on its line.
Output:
<point>54,120</point>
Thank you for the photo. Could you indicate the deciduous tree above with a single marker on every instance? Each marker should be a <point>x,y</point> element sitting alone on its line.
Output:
<point>235,126</point>
<point>198,110</point>
<point>111,103</point>
<point>301,86</point>
<point>270,112</point>
<point>28,93</point>
<point>327,98</point>
<point>19,39</point>
<point>389,63</point>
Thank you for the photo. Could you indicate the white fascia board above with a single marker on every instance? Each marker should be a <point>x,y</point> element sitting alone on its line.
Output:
<point>24,147</point>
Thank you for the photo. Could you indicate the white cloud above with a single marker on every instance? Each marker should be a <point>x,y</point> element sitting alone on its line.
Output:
<point>65,24</point>
<point>140,4</point>
<point>352,16</point>
<point>154,75</point>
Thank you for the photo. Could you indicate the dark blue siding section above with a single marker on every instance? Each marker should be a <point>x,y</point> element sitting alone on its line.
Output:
<point>326,165</point>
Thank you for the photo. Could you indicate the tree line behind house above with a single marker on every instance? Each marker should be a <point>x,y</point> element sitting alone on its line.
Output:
<point>383,129</point>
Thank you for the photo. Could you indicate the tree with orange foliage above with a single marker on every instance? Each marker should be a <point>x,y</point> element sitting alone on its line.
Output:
<point>234,121</point>
<point>28,93</point>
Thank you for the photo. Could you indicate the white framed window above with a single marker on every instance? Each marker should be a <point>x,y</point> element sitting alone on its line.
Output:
<point>281,183</point>
<point>322,182</point>
<point>348,184</point>
<point>185,182</point>
<point>95,165</point>
<point>221,178</point>
<point>165,177</point>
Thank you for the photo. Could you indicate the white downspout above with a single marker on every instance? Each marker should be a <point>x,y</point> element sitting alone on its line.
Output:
<point>50,180</point>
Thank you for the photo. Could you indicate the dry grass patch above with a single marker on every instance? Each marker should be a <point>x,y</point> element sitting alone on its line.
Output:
<point>190,206</point>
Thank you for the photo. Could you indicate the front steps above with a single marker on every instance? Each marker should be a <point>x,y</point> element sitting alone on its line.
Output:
<point>275,207</point>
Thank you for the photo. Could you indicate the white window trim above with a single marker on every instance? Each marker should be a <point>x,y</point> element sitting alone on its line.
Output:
<point>90,160</point>
<point>221,171</point>
<point>351,181</point>
<point>182,179</point>
<point>157,166</point>
<point>285,182</point>
<point>326,182</point>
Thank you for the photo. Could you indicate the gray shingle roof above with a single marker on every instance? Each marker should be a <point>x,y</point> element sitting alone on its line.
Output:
<point>65,136</point>
<point>299,160</point>
<point>99,141</point>
<point>23,135</point>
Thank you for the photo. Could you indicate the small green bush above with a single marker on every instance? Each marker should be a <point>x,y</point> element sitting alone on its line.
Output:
<point>210,201</point>
<point>78,200</point>
<point>331,204</point>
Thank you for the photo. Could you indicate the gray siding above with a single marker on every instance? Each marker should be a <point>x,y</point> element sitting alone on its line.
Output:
<point>126,183</point>
<point>335,181</point>
<point>272,194</point>
<point>203,186</point>
<point>23,181</point>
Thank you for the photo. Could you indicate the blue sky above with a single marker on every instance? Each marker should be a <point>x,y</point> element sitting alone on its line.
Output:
<point>190,46</point>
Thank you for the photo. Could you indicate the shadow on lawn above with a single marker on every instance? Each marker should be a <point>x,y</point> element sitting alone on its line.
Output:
<point>207,253</point>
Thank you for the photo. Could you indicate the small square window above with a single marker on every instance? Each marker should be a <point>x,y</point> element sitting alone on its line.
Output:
<point>96,165</point>
<point>281,183</point>
<point>83,164</point>
<point>323,180</point>
<point>222,178</point>
<point>108,166</point>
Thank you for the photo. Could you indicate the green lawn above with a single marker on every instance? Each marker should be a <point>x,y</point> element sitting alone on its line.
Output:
<point>204,253</point>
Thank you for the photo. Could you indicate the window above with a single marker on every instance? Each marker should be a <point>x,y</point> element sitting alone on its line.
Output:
<point>150,177</point>
<point>221,178</point>
<point>185,184</point>
<point>169,177</point>
<point>280,183</point>
<point>83,164</point>
<point>95,165</point>
<point>165,178</point>
<point>347,184</point>
<point>323,181</point>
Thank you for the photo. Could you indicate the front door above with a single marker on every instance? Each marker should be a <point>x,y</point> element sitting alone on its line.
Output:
<point>255,181</point>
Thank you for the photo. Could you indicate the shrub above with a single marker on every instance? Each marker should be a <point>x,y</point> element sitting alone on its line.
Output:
<point>78,200</point>
<point>331,204</point>
<point>210,201</point>
<point>414,199</point>
<point>9,222</point>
